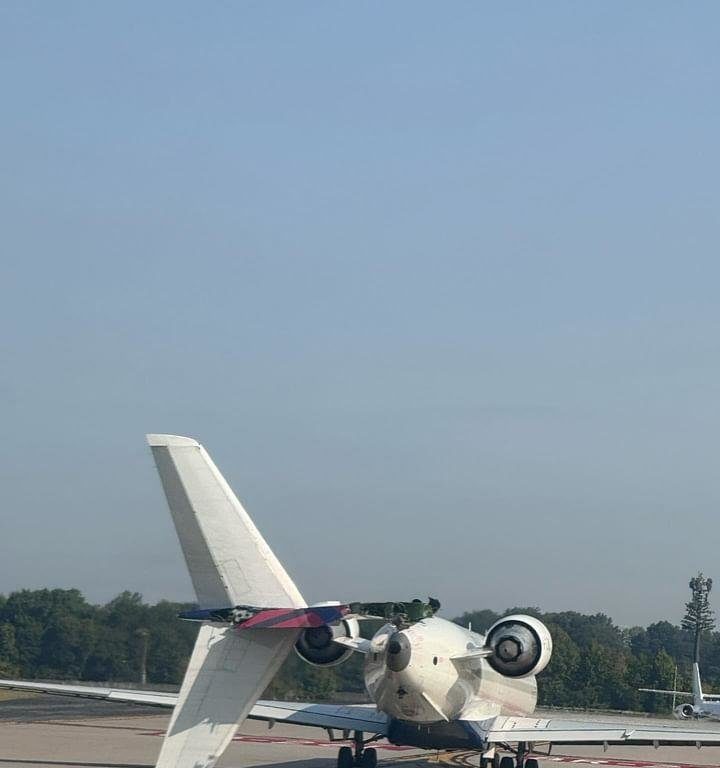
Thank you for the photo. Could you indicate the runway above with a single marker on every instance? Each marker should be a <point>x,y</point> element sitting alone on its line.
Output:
<point>61,733</point>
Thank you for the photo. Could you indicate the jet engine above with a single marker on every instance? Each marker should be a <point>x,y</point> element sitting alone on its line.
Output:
<point>315,644</point>
<point>521,646</point>
<point>684,712</point>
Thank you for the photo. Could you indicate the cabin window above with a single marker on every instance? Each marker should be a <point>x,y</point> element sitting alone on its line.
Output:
<point>435,660</point>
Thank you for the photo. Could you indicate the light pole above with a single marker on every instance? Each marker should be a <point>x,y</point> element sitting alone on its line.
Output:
<point>144,636</point>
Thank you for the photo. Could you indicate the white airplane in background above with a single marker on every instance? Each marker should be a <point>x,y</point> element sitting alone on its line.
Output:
<point>704,706</point>
<point>434,684</point>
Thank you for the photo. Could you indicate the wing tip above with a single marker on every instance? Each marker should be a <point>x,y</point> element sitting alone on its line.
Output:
<point>157,441</point>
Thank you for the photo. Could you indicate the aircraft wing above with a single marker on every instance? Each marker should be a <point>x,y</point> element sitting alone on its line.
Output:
<point>353,717</point>
<point>146,698</point>
<point>360,717</point>
<point>664,692</point>
<point>512,730</point>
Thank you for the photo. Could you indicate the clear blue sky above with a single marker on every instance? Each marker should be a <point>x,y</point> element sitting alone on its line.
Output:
<point>436,285</point>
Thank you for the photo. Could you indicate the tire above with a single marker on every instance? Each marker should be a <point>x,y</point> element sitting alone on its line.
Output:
<point>369,758</point>
<point>496,760</point>
<point>507,762</point>
<point>531,762</point>
<point>345,758</point>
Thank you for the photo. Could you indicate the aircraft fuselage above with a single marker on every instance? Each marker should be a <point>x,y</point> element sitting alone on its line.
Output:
<point>411,676</point>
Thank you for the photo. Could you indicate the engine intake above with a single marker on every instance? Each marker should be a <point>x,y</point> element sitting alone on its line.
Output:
<point>684,712</point>
<point>316,645</point>
<point>521,646</point>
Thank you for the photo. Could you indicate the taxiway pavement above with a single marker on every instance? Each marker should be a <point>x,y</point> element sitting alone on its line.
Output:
<point>61,733</point>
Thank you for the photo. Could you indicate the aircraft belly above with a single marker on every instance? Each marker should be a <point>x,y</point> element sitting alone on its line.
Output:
<point>451,735</point>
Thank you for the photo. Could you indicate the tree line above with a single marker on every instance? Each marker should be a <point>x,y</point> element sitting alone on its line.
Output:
<point>58,635</point>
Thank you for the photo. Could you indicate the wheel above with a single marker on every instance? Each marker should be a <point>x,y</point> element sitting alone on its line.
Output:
<point>507,762</point>
<point>496,760</point>
<point>345,758</point>
<point>484,762</point>
<point>369,758</point>
<point>531,762</point>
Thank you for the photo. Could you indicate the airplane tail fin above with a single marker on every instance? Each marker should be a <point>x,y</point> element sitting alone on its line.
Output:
<point>696,685</point>
<point>230,565</point>
<point>229,561</point>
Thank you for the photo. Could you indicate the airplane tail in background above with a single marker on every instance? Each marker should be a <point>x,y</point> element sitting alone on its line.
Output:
<point>230,565</point>
<point>696,685</point>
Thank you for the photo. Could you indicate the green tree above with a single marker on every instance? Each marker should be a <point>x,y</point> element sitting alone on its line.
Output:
<point>601,678</point>
<point>8,650</point>
<point>558,683</point>
<point>480,621</point>
<point>67,642</point>
<point>662,635</point>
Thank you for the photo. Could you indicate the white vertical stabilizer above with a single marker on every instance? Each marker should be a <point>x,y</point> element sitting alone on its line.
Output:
<point>696,685</point>
<point>229,561</point>
<point>230,564</point>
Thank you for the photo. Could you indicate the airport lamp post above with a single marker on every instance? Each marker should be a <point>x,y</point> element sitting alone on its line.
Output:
<point>698,614</point>
<point>144,636</point>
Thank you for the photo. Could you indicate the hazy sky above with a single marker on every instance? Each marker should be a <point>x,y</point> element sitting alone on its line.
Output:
<point>435,284</point>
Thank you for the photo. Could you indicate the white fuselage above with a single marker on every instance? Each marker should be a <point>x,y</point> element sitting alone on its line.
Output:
<point>411,676</point>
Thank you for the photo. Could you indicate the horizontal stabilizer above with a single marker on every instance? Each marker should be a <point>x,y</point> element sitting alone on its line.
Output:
<point>248,617</point>
<point>295,618</point>
<point>410,610</point>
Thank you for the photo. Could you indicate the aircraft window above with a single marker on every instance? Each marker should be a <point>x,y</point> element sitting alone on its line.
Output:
<point>435,660</point>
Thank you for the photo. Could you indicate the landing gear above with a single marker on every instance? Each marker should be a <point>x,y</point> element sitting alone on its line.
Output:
<point>519,761</point>
<point>362,756</point>
<point>490,759</point>
<point>345,758</point>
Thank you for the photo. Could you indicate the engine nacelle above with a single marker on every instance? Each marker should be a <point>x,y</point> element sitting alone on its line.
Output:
<point>684,712</point>
<point>315,644</point>
<point>521,646</point>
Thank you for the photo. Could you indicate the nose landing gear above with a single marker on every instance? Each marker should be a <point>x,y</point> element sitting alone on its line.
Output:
<point>360,755</point>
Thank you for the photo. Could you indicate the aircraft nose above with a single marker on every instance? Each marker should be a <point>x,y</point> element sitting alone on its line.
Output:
<point>399,650</point>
